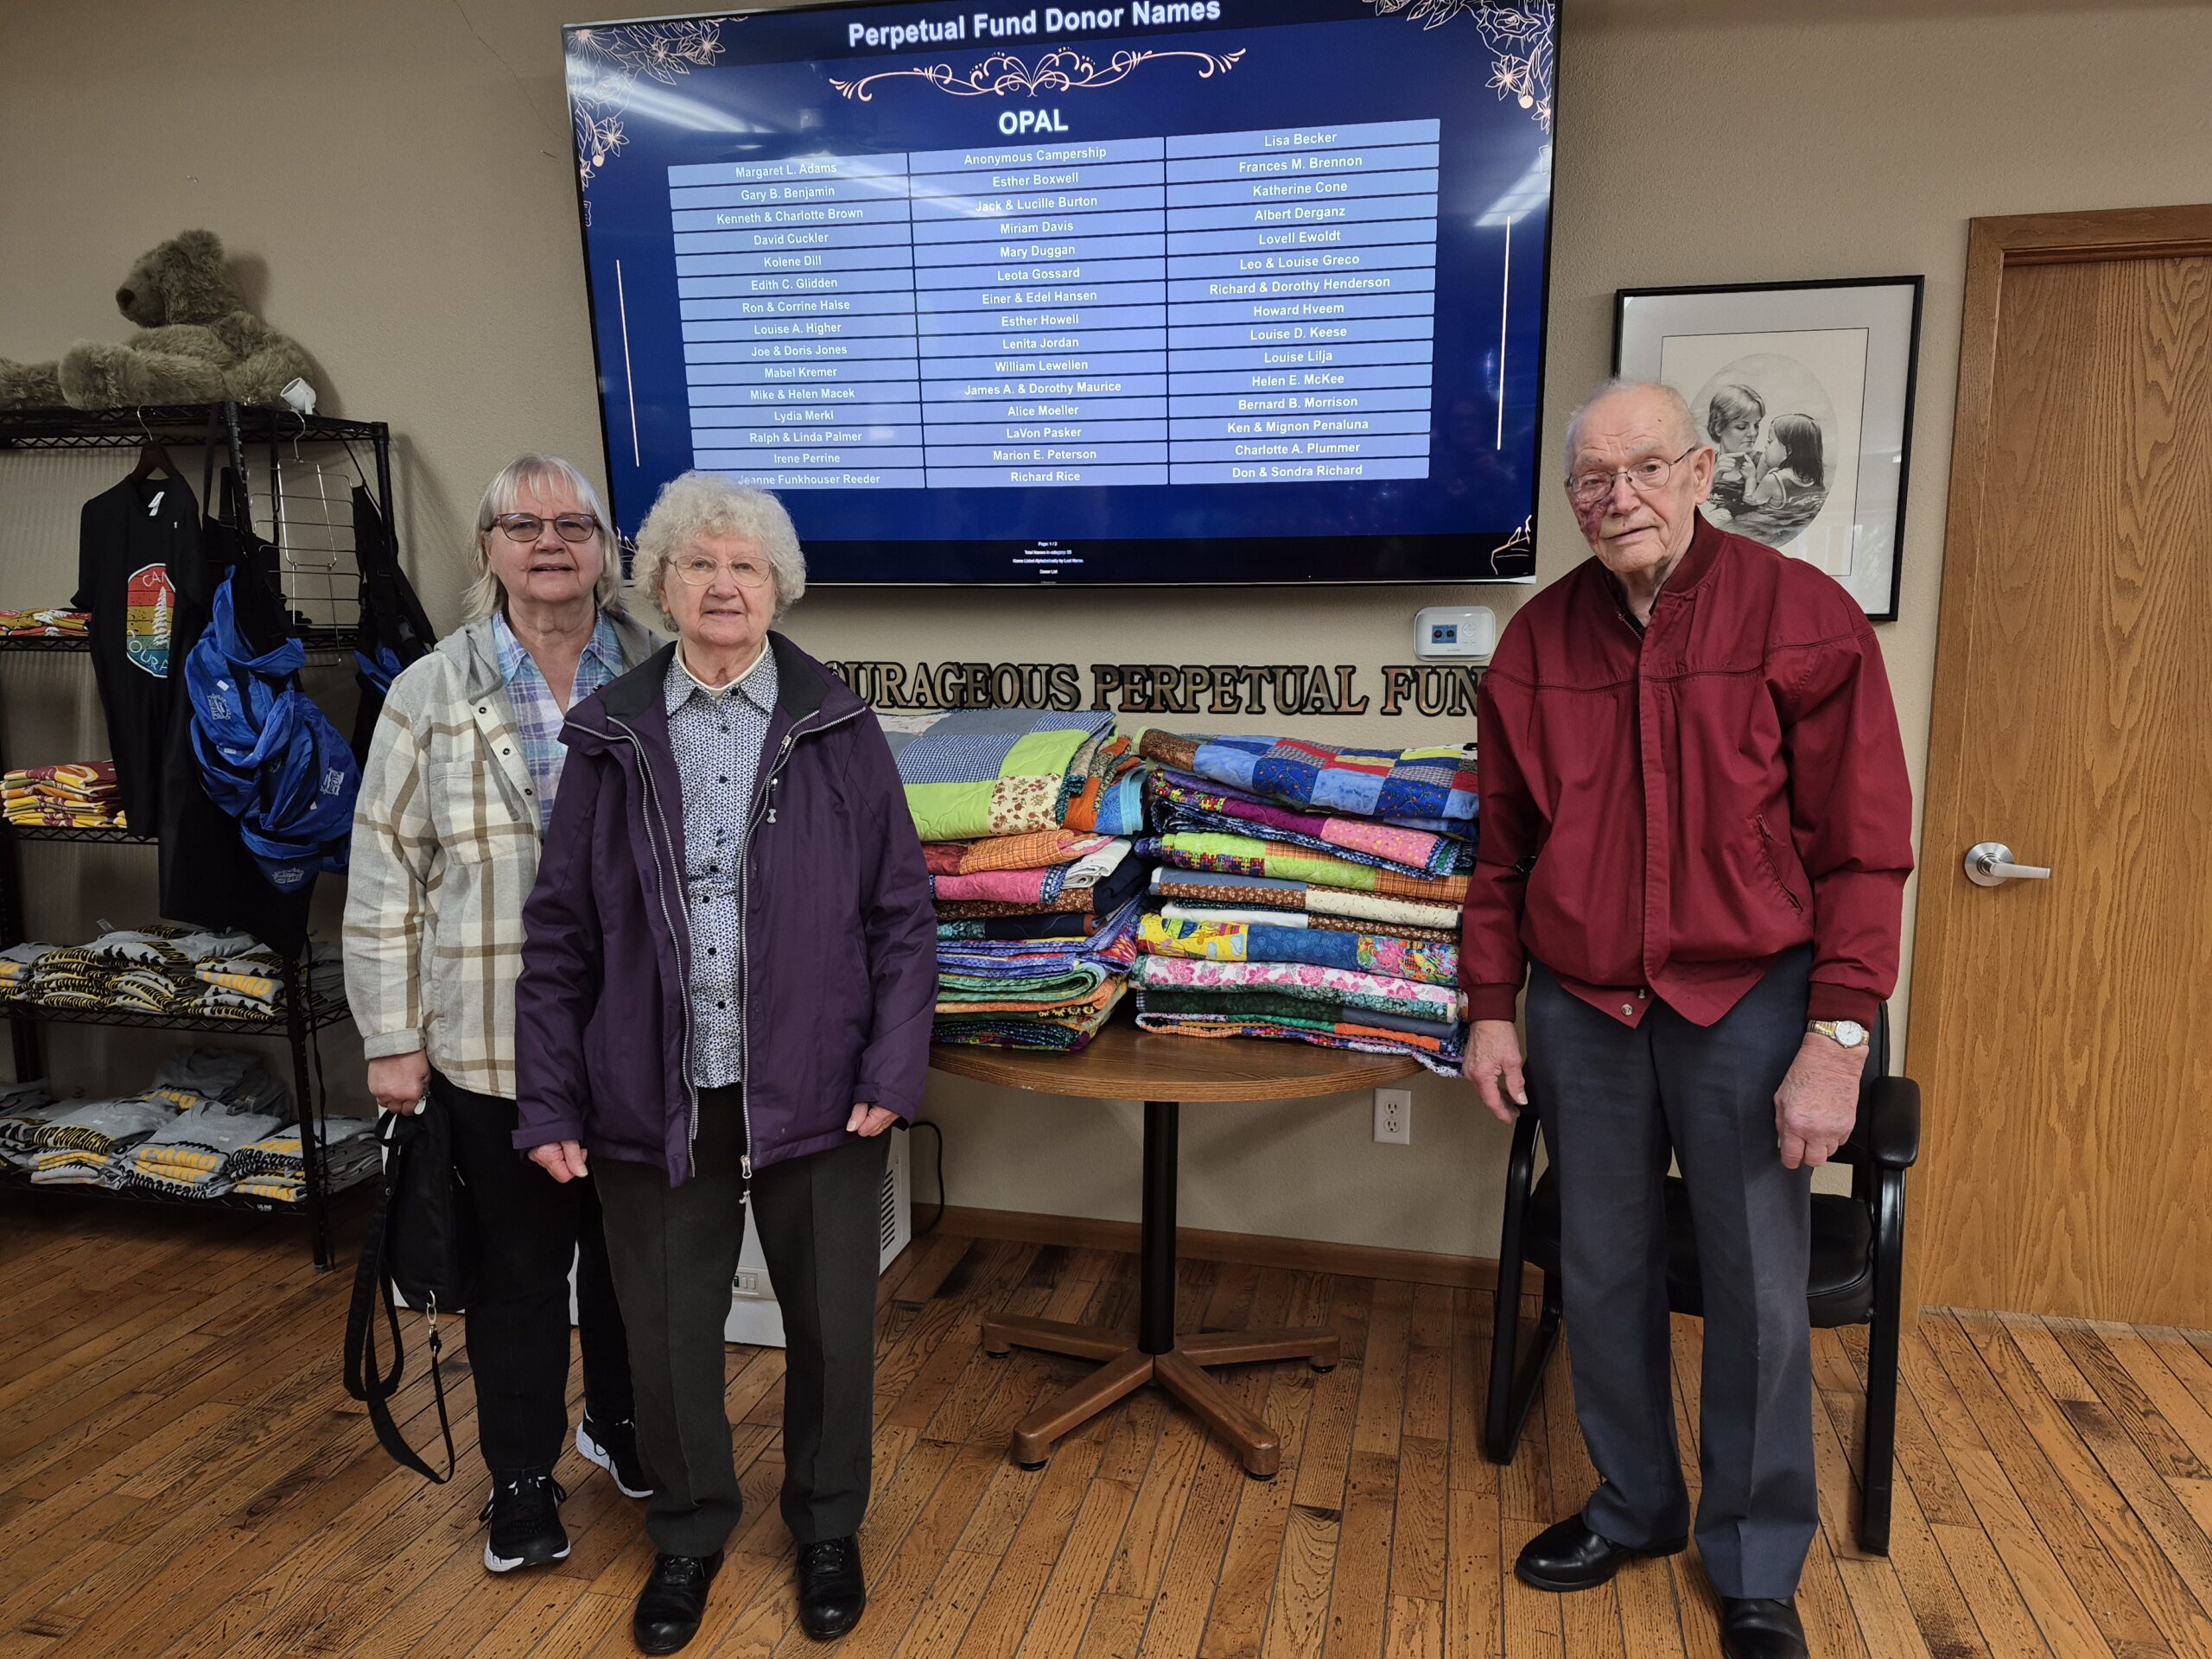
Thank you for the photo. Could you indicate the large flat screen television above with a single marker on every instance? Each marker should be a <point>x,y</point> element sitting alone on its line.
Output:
<point>1165,291</point>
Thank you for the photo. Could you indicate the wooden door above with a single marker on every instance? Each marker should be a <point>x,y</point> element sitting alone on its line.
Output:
<point>2062,1029</point>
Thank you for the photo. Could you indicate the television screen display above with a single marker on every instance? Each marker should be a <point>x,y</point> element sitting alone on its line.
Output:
<point>1165,291</point>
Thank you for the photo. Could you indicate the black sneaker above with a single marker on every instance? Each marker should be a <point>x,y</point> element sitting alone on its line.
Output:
<point>613,1447</point>
<point>524,1511</point>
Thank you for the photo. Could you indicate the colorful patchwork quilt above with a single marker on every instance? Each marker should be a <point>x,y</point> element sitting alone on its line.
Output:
<point>1035,851</point>
<point>1108,894</point>
<point>1064,926</point>
<point>1442,1055</point>
<point>1373,953</point>
<point>1257,916</point>
<point>1307,982</point>
<point>1066,1029</point>
<point>1244,855</point>
<point>1105,788</point>
<point>1036,886</point>
<point>971,773</point>
<point>1266,892</point>
<point>1182,802</point>
<point>1423,788</point>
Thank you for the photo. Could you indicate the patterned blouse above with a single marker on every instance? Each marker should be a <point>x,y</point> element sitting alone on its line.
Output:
<point>538,713</point>
<point>717,736</point>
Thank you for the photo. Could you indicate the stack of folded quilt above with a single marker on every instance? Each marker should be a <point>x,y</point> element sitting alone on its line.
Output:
<point>273,1166</point>
<point>1035,936</point>
<point>1027,819</point>
<point>1308,893</point>
<point>1053,992</point>
<point>162,968</point>
<point>80,795</point>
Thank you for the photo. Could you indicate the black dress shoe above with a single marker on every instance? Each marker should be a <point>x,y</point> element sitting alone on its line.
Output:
<point>1569,1556</point>
<point>830,1592</point>
<point>673,1601</point>
<point>1751,1629</point>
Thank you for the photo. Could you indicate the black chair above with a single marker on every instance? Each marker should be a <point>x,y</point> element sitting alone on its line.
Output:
<point>1857,1262</point>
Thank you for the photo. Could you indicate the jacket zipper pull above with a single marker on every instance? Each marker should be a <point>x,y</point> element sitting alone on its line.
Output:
<point>773,782</point>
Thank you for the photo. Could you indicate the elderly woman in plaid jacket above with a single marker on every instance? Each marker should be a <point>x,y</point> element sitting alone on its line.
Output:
<point>456,797</point>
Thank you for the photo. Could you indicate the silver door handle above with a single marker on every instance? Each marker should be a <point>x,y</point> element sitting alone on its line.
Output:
<point>1989,864</point>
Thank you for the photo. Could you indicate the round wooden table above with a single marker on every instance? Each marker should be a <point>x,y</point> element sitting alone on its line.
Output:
<point>1123,1062</point>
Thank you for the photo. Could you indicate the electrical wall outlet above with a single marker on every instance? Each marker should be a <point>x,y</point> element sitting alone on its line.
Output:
<point>1394,1116</point>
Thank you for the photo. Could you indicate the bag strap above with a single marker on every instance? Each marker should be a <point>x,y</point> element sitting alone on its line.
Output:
<point>363,1380</point>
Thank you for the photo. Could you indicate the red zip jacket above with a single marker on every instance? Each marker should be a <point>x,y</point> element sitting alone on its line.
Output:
<point>1664,814</point>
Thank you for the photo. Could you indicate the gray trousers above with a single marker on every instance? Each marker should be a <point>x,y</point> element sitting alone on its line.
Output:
<point>674,1252</point>
<point>1613,1102</point>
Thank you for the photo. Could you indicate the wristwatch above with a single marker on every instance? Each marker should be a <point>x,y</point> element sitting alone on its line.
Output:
<point>1844,1034</point>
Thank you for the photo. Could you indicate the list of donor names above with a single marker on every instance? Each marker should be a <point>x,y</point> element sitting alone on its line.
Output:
<point>1208,308</point>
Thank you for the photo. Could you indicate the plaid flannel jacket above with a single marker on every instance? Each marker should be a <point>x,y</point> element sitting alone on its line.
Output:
<point>446,840</point>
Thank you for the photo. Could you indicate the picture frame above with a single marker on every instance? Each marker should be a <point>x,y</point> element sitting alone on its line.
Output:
<point>1832,365</point>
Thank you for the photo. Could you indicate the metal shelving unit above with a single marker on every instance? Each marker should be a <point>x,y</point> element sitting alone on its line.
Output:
<point>240,429</point>
<point>314,1012</point>
<point>113,837</point>
<point>323,644</point>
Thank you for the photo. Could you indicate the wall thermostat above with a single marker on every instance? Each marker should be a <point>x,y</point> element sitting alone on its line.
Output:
<point>1455,631</point>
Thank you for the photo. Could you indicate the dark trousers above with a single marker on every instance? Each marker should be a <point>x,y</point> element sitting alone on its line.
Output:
<point>528,1229</point>
<point>675,1252</point>
<point>1614,1101</point>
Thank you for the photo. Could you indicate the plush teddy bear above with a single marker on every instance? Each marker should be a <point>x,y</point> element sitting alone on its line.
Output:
<point>196,343</point>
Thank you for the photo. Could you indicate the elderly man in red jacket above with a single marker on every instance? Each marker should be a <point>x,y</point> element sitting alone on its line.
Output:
<point>1696,827</point>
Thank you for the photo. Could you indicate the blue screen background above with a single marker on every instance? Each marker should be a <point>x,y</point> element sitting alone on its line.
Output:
<point>767,94</point>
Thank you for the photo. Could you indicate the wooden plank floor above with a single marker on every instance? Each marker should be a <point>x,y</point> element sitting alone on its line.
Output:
<point>181,1473</point>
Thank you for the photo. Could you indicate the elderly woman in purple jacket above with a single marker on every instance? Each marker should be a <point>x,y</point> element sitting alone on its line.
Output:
<point>725,999</point>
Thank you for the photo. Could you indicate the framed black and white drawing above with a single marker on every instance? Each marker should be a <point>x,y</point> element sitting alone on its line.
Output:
<point>1805,391</point>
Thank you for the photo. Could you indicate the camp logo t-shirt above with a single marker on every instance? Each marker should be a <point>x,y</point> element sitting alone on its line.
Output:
<point>149,617</point>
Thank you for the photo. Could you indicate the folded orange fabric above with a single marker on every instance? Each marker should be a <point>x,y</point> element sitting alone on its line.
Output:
<point>1037,849</point>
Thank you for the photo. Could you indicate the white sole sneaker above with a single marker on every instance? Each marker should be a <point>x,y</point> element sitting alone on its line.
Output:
<point>592,1451</point>
<point>494,1562</point>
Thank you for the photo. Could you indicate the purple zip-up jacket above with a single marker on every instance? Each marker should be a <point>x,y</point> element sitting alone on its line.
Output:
<point>839,956</point>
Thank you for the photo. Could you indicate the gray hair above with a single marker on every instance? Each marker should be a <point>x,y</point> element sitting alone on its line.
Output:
<point>1678,410</point>
<point>692,505</point>
<point>544,476</point>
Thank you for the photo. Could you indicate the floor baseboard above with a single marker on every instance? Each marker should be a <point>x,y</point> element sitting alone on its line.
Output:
<point>1249,1250</point>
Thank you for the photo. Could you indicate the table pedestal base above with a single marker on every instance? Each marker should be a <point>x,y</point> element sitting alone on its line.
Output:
<point>1156,1354</point>
<point>1181,1370</point>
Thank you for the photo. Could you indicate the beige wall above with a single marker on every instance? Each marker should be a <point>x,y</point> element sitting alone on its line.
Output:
<point>398,174</point>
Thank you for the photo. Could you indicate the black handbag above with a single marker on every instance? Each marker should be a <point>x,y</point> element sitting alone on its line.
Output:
<point>421,1243</point>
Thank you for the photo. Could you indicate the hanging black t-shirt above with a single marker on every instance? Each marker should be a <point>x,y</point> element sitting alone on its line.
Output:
<point>127,538</point>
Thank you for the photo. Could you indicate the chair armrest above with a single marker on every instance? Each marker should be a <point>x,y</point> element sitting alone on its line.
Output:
<point>1893,1123</point>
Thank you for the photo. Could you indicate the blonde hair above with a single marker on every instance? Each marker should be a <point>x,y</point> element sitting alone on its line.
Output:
<point>542,476</point>
<point>692,505</point>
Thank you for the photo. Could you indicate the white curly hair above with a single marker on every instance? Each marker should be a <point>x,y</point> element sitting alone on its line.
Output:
<point>692,505</point>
